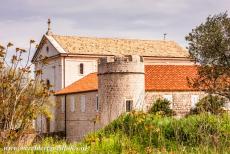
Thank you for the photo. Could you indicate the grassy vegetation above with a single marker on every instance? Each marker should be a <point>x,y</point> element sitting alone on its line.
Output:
<point>139,132</point>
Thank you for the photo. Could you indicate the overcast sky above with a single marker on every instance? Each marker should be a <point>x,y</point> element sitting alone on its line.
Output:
<point>22,20</point>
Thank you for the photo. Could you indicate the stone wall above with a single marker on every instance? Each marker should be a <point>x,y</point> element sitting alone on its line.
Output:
<point>120,78</point>
<point>181,100</point>
<point>78,123</point>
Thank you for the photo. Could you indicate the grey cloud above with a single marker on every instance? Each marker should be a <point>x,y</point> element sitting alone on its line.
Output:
<point>113,18</point>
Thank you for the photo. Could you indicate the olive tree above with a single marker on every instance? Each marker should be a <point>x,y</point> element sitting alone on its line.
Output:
<point>209,45</point>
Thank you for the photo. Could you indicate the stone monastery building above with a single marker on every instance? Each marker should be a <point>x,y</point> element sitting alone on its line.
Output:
<point>97,79</point>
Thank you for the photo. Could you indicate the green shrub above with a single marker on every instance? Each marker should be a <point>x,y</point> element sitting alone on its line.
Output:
<point>211,104</point>
<point>162,107</point>
<point>154,131</point>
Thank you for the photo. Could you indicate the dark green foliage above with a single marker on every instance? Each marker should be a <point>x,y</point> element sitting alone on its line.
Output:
<point>209,45</point>
<point>211,104</point>
<point>162,107</point>
<point>209,42</point>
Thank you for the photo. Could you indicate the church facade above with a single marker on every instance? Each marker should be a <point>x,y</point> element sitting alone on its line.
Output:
<point>97,79</point>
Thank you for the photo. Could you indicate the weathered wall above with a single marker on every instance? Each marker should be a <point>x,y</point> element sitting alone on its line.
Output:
<point>120,78</point>
<point>78,123</point>
<point>52,71</point>
<point>181,102</point>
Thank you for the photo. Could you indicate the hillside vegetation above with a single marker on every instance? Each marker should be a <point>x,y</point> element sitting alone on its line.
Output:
<point>139,132</point>
<point>145,133</point>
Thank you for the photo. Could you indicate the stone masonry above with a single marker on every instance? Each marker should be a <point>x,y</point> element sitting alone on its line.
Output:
<point>120,78</point>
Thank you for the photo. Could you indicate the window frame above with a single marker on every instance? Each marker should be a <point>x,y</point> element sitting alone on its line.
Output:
<point>130,107</point>
<point>81,68</point>
<point>97,103</point>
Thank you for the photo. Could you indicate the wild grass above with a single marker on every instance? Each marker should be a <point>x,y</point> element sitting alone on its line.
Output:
<point>147,133</point>
<point>144,133</point>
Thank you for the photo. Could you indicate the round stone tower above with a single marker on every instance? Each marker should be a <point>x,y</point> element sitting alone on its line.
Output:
<point>121,85</point>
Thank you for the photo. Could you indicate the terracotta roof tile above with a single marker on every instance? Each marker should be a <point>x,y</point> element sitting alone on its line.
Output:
<point>169,77</point>
<point>114,46</point>
<point>157,78</point>
<point>87,83</point>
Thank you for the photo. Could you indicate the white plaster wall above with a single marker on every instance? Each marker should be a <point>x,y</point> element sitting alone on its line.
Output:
<point>52,51</point>
<point>72,68</point>
<point>52,72</point>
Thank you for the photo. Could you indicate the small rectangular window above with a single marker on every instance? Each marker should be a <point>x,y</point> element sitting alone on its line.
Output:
<point>82,103</point>
<point>129,105</point>
<point>170,99</point>
<point>81,68</point>
<point>63,104</point>
<point>97,103</point>
<point>194,100</point>
<point>72,104</point>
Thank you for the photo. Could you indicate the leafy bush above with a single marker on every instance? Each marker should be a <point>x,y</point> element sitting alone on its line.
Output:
<point>148,132</point>
<point>211,104</point>
<point>162,107</point>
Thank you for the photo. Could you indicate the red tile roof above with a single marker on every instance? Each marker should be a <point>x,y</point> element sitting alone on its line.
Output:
<point>157,78</point>
<point>87,83</point>
<point>169,77</point>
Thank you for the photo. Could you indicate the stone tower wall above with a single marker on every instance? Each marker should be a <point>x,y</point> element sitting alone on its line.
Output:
<point>120,78</point>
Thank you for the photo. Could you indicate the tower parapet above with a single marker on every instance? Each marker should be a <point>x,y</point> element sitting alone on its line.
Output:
<point>121,64</point>
<point>121,85</point>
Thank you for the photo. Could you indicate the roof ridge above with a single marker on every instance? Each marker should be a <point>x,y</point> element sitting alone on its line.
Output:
<point>113,38</point>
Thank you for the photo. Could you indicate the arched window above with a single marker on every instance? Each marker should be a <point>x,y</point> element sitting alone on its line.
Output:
<point>81,68</point>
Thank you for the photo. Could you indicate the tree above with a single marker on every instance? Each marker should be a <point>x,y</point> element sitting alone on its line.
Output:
<point>211,104</point>
<point>22,98</point>
<point>162,107</point>
<point>209,45</point>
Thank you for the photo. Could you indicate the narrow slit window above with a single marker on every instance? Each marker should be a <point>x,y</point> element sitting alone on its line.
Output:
<point>81,68</point>
<point>47,49</point>
<point>97,103</point>
<point>129,105</point>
